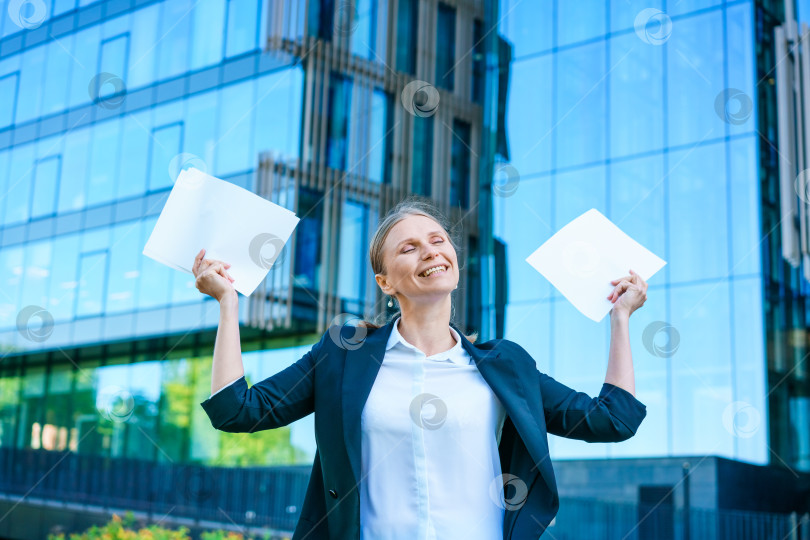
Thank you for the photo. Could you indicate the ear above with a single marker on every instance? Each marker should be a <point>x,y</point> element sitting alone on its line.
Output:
<point>383,283</point>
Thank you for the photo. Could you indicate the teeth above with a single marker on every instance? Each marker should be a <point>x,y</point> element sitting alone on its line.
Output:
<point>429,271</point>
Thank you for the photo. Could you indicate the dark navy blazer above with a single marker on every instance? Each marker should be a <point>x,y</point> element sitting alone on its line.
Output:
<point>334,382</point>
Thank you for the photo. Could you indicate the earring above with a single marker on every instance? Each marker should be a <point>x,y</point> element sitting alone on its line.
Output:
<point>390,301</point>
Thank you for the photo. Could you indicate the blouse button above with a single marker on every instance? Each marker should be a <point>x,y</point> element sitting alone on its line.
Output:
<point>333,493</point>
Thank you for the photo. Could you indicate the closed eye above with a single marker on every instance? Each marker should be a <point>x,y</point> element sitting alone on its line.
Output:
<point>409,250</point>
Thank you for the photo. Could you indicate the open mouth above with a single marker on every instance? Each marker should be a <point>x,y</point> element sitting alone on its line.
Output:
<point>435,271</point>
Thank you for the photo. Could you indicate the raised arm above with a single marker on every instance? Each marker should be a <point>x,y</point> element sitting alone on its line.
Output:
<point>274,402</point>
<point>613,416</point>
<point>271,403</point>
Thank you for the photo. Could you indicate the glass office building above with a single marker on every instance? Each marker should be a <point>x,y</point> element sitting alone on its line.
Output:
<point>661,115</point>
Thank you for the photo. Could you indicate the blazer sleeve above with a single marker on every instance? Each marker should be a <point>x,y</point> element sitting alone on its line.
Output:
<point>613,416</point>
<point>274,402</point>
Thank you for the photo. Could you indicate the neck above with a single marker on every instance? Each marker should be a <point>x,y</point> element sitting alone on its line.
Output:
<point>427,327</point>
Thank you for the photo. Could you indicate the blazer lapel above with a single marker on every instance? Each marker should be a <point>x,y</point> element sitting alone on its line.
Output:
<point>361,368</point>
<point>500,374</point>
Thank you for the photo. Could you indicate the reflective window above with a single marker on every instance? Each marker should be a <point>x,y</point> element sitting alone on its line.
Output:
<point>580,102</point>
<point>407,31</point>
<point>63,6</point>
<point>57,425</point>
<point>175,413</point>
<point>580,21</point>
<point>29,99</point>
<point>623,14</point>
<point>636,96</point>
<point>91,283</point>
<point>208,31</point>
<point>309,232</point>
<point>460,161</point>
<point>104,160</point>
<point>277,112</point>
<point>340,99</point>
<point>9,85</point>
<point>58,67</point>
<point>164,145</point>
<point>114,61</point>
<point>32,408</point>
<point>46,180</point>
<point>200,123</point>
<point>243,26</point>
<point>173,40</point>
<point>577,192</point>
<point>75,163</point>
<point>18,199</point>
<point>748,355</point>
<point>529,115</point>
<point>743,180</point>
<point>446,47</point>
<point>381,138</point>
<point>91,427</point>
<point>9,402</point>
<point>85,50</point>
<point>145,34</point>
<point>695,75</point>
<point>527,26</point>
<point>422,165</point>
<point>11,265</point>
<point>636,198</point>
<point>366,40</point>
<point>686,6</point>
<point>234,152</point>
<point>699,243</point>
<point>354,239</point>
<point>529,208</point>
<point>64,283</point>
<point>153,273</point>
<point>478,60</point>
<point>741,69</point>
<point>701,369</point>
<point>134,146</point>
<point>124,271</point>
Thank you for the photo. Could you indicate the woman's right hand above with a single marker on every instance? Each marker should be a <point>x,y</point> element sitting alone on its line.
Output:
<point>212,279</point>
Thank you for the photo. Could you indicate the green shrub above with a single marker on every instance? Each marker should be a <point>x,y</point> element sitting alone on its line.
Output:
<point>122,529</point>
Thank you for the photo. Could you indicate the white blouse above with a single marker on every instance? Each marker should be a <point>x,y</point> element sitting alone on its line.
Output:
<point>430,434</point>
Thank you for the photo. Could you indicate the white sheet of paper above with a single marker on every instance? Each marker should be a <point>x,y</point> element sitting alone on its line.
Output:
<point>582,258</point>
<point>233,224</point>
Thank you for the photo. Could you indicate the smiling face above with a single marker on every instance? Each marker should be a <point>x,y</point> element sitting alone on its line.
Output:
<point>414,245</point>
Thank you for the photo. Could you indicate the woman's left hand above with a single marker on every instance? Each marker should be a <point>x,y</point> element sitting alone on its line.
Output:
<point>629,294</point>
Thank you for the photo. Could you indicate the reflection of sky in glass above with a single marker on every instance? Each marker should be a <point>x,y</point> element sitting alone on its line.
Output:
<point>142,379</point>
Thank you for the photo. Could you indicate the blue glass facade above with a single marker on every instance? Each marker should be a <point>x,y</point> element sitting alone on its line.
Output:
<point>611,112</point>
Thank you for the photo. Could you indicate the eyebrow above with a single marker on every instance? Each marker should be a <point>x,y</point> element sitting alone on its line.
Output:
<point>412,239</point>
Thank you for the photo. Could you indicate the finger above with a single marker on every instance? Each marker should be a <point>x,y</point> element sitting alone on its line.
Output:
<point>621,287</point>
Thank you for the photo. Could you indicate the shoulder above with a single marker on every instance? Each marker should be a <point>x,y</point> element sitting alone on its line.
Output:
<point>507,348</point>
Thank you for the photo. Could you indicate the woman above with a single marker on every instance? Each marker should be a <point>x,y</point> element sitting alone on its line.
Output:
<point>420,433</point>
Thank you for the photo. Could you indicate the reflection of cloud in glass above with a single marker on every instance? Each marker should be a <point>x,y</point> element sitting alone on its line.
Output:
<point>141,379</point>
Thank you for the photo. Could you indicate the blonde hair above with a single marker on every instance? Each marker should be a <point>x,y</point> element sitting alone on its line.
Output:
<point>413,205</point>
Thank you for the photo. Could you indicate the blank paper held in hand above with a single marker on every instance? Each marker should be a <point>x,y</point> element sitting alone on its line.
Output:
<point>233,224</point>
<point>583,257</point>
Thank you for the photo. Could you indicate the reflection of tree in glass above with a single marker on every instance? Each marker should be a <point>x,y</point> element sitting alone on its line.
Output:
<point>267,447</point>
